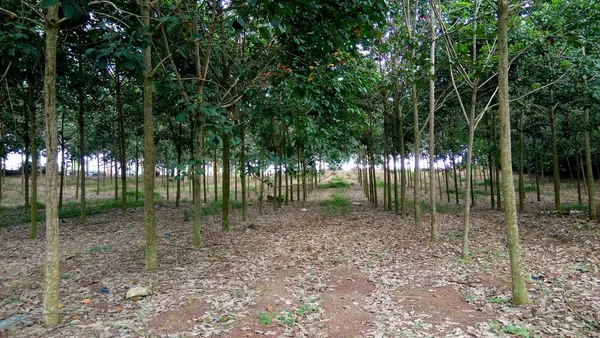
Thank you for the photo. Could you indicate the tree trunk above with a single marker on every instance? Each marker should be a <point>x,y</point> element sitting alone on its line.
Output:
<point>417,132</point>
<point>555,168</point>
<point>80,124</point>
<point>215,176</point>
<point>226,177</point>
<point>34,164</point>
<point>63,170</point>
<point>519,290</point>
<point>52,260</point>
<point>122,157</point>
<point>151,260</point>
<point>433,224</point>
<point>455,178</point>
<point>243,172</point>
<point>588,166</point>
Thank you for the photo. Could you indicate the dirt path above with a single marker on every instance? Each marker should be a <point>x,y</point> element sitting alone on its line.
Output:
<point>302,272</point>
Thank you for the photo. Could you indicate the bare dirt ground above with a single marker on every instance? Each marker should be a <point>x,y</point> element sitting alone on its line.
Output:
<point>304,272</point>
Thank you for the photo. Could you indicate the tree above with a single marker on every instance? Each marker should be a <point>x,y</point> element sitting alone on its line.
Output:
<point>52,261</point>
<point>519,292</point>
<point>151,259</point>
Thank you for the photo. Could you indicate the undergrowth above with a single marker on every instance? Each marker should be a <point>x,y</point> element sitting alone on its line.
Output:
<point>336,182</point>
<point>336,204</point>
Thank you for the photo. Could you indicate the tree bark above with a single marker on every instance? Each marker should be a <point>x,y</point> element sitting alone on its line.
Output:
<point>122,157</point>
<point>519,291</point>
<point>52,260</point>
<point>555,168</point>
<point>588,166</point>
<point>34,163</point>
<point>80,124</point>
<point>226,178</point>
<point>151,260</point>
<point>432,201</point>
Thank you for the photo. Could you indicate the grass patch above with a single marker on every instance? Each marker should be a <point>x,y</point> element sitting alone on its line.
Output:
<point>336,204</point>
<point>576,206</point>
<point>336,182</point>
<point>442,208</point>
<point>475,192</point>
<point>17,215</point>
<point>214,208</point>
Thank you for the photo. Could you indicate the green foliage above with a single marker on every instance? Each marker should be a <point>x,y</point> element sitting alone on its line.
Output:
<point>287,318</point>
<point>214,208</point>
<point>66,275</point>
<point>335,182</point>
<point>498,300</point>
<point>516,330</point>
<point>336,204</point>
<point>266,318</point>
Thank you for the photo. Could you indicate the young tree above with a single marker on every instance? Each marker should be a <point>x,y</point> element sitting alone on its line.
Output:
<point>519,292</point>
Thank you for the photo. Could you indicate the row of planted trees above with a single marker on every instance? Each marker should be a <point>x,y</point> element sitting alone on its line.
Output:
<point>448,64</point>
<point>288,84</point>
<point>233,76</point>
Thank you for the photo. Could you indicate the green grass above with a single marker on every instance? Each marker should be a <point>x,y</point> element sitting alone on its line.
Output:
<point>336,204</point>
<point>336,182</point>
<point>475,192</point>
<point>575,206</point>
<point>442,208</point>
<point>214,208</point>
<point>16,215</point>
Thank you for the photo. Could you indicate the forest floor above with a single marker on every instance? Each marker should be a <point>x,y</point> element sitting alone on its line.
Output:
<point>309,269</point>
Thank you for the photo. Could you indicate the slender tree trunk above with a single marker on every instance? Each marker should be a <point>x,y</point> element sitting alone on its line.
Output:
<point>262,191</point>
<point>63,170</point>
<point>519,290</point>
<point>215,176</point>
<point>243,172</point>
<point>226,177</point>
<point>151,260</point>
<point>417,133</point>
<point>591,187</point>
<point>122,156</point>
<point>179,151</point>
<point>432,201</point>
<point>521,164</point>
<point>80,123</point>
<point>137,169</point>
<point>447,185</point>
<point>555,168</point>
<point>455,178</point>
<point>34,163</point>
<point>99,174</point>
<point>52,261</point>
<point>578,177</point>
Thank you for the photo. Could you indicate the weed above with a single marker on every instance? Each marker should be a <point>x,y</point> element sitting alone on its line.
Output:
<point>418,324</point>
<point>581,267</point>
<point>336,204</point>
<point>66,275</point>
<point>287,318</point>
<point>516,330</point>
<point>265,318</point>
<point>498,300</point>
<point>495,327</point>
<point>470,298</point>
<point>306,309</point>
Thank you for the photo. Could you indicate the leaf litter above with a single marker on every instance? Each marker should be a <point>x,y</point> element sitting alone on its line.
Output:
<point>304,272</point>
